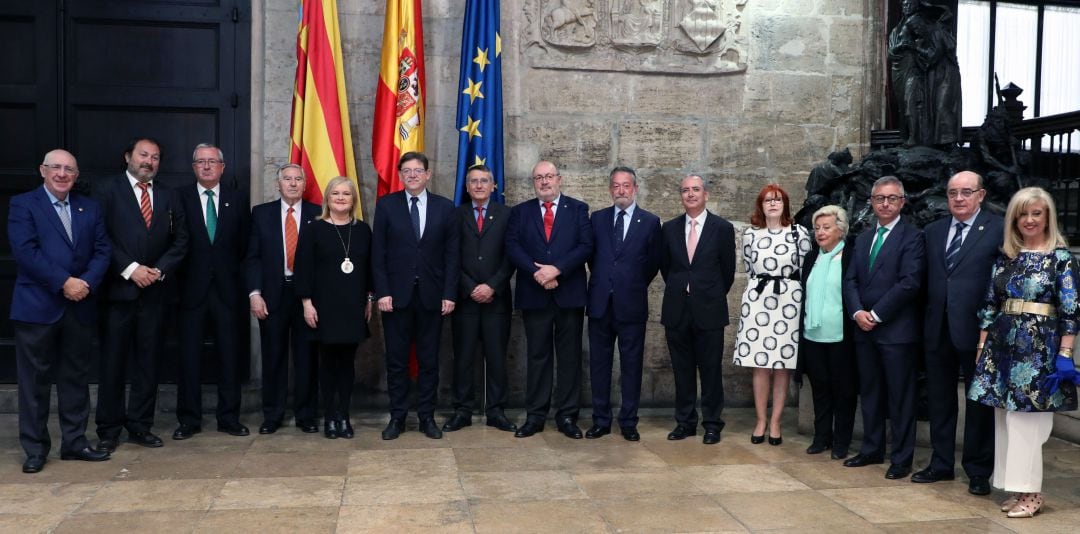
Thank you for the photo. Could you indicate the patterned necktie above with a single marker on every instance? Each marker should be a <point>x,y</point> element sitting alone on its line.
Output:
<point>549,219</point>
<point>291,237</point>
<point>144,204</point>
<point>877,244</point>
<point>620,229</point>
<point>65,219</point>
<point>211,215</point>
<point>414,212</point>
<point>691,240</point>
<point>954,246</point>
<point>479,218</point>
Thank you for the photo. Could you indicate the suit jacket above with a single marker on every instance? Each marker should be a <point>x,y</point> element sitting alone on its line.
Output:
<point>624,275</point>
<point>892,288</point>
<point>710,275</point>
<point>959,293</point>
<point>483,256</point>
<point>264,264</point>
<point>163,245</point>
<point>398,260</point>
<point>570,247</point>
<point>218,264</point>
<point>45,257</point>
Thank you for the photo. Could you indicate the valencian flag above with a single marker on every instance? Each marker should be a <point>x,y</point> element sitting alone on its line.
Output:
<point>479,111</point>
<point>399,97</point>
<point>321,141</point>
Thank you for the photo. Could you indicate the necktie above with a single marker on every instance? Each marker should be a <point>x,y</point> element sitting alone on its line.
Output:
<point>291,237</point>
<point>144,204</point>
<point>479,218</point>
<point>414,211</point>
<point>549,220</point>
<point>691,240</point>
<point>211,215</point>
<point>619,229</point>
<point>877,244</point>
<point>65,219</point>
<point>954,246</point>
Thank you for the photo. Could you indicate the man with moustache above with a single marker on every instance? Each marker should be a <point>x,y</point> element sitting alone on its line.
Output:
<point>61,254</point>
<point>275,231</point>
<point>549,240</point>
<point>415,261</point>
<point>482,317</point>
<point>146,227</point>
<point>698,266</point>
<point>960,251</point>
<point>626,257</point>
<point>218,221</point>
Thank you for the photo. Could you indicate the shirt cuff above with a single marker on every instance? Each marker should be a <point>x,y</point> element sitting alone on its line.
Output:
<point>874,315</point>
<point>127,272</point>
<point>253,293</point>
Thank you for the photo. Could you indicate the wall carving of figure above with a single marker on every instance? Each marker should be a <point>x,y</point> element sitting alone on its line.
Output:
<point>570,23</point>
<point>637,22</point>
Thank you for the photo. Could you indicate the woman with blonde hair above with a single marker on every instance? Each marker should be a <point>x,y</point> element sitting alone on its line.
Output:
<point>1028,322</point>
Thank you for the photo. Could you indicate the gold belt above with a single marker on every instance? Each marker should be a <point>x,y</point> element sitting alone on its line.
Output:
<point>1019,306</point>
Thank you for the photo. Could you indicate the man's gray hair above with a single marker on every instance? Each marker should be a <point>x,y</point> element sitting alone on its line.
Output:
<point>888,180</point>
<point>627,170</point>
<point>281,169</point>
<point>220,154</point>
<point>704,182</point>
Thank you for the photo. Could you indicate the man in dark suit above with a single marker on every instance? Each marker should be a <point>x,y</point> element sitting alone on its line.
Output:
<point>61,254</point>
<point>960,252</point>
<point>218,220</point>
<point>880,294</point>
<point>549,240</point>
<point>149,238</point>
<point>415,261</point>
<point>275,230</point>
<point>482,317</point>
<point>698,266</point>
<point>626,257</point>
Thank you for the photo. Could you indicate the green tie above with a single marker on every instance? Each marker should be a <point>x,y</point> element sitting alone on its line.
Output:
<point>211,216</point>
<point>874,249</point>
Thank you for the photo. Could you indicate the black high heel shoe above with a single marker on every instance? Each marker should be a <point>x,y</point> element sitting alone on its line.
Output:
<point>345,429</point>
<point>757,440</point>
<point>330,429</point>
<point>776,441</point>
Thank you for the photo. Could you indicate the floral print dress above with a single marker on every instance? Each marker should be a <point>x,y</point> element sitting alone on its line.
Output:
<point>1019,351</point>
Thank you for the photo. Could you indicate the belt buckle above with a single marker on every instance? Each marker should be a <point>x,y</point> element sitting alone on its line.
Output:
<point>1014,306</point>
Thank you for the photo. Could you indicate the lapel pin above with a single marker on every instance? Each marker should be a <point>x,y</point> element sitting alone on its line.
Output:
<point>80,210</point>
<point>980,228</point>
<point>226,204</point>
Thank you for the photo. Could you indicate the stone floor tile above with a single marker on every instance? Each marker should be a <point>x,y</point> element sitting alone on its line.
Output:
<point>153,495</point>
<point>522,486</point>
<point>508,459</point>
<point>667,513</point>
<point>156,522</point>
<point>786,509</point>
<point>833,474</point>
<point>1064,462</point>
<point>899,504</point>
<point>740,478</point>
<point>270,520</point>
<point>610,456</point>
<point>952,526</point>
<point>208,465</point>
<point>295,464</point>
<point>564,517</point>
<point>448,517</point>
<point>289,441</point>
<point>27,523</point>
<point>399,461</point>
<point>410,439</point>
<point>857,526</point>
<point>45,499</point>
<point>402,488</point>
<point>280,492</point>
<point>481,436</point>
<point>692,452</point>
<point>59,471</point>
<point>1050,521</point>
<point>636,484</point>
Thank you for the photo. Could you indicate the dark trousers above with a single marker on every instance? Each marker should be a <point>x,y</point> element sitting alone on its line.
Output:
<point>553,351</point>
<point>130,324</point>
<point>44,352</point>
<point>943,364</point>
<point>693,351</point>
<point>887,388</point>
<point>400,328</point>
<point>603,333</point>
<point>337,372</point>
<point>221,313</point>
<point>489,331</point>
<point>833,374</point>
<point>285,327</point>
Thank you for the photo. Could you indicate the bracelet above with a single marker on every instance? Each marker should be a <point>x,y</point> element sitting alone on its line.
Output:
<point>371,298</point>
<point>979,346</point>
<point>1066,352</point>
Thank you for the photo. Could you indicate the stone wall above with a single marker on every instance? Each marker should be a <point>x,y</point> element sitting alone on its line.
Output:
<point>787,82</point>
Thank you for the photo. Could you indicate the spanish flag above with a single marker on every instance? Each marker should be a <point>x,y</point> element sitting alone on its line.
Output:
<point>399,98</point>
<point>321,141</point>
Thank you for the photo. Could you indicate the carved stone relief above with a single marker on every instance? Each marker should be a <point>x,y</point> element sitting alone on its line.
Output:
<point>670,36</point>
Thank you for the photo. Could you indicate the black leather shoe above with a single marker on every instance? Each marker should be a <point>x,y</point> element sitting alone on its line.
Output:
<point>817,448</point>
<point>928,475</point>
<point>528,429</point>
<point>776,441</point>
<point>393,429</point>
<point>430,428</point>
<point>630,433</point>
<point>569,428</point>
<point>33,464</point>
<point>682,432</point>
<point>233,429</point>
<point>860,460</point>
<point>898,471</point>
<point>269,427</point>
<point>307,426</point>
<point>457,422</point>
<point>108,444</point>
<point>712,436</point>
<point>501,422</point>
<point>979,486</point>
<point>344,429</point>
<point>757,440</point>
<point>839,454</point>
<point>330,429</point>
<point>146,439</point>
<point>185,431</point>
<point>597,431</point>
<point>87,454</point>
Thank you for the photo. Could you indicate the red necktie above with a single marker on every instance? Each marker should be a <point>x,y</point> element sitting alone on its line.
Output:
<point>291,237</point>
<point>549,220</point>
<point>144,204</point>
<point>479,218</point>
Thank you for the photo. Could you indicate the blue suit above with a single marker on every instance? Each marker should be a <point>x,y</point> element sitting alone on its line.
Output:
<point>621,270</point>
<point>886,354</point>
<point>53,335</point>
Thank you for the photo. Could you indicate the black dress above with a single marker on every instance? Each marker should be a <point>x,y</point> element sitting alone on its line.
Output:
<point>339,298</point>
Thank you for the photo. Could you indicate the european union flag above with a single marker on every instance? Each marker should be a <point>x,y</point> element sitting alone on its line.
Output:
<point>479,112</point>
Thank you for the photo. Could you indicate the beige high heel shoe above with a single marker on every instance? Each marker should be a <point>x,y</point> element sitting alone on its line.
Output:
<point>1028,505</point>
<point>1008,504</point>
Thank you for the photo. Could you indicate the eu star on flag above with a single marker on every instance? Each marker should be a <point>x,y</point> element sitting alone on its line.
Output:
<point>479,111</point>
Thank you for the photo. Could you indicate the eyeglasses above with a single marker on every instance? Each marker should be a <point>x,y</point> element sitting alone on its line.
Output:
<point>549,177</point>
<point>412,172</point>
<point>479,181</point>
<point>882,199</point>
<point>773,201</point>
<point>56,167</point>
<point>205,162</point>
<point>961,193</point>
